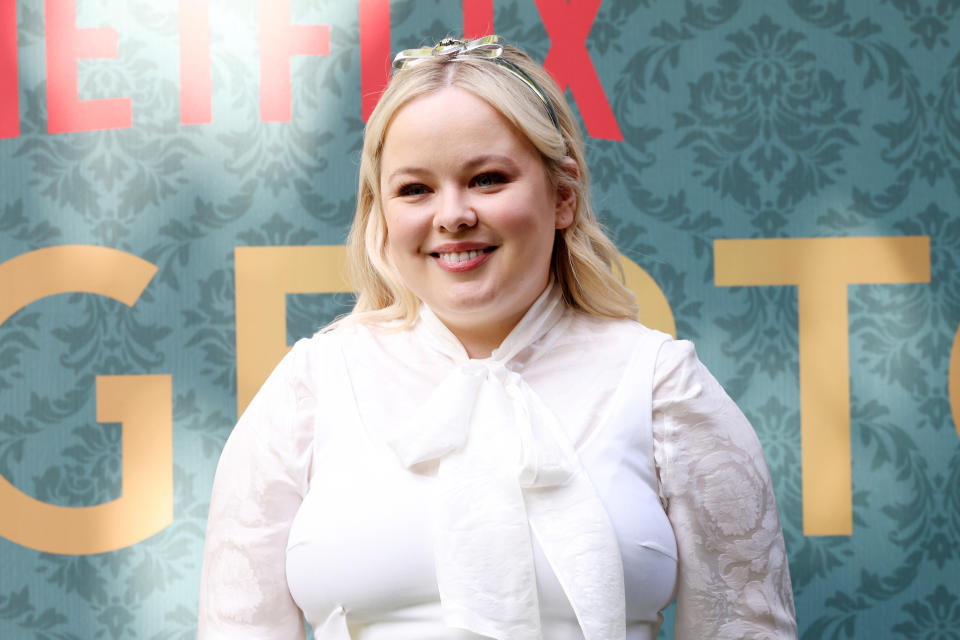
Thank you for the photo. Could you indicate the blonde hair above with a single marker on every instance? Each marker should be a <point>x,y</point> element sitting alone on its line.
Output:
<point>584,259</point>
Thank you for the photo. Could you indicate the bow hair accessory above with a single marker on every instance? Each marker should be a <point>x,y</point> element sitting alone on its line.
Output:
<point>485,48</point>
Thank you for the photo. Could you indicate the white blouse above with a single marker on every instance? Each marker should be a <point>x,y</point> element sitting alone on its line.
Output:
<point>366,487</point>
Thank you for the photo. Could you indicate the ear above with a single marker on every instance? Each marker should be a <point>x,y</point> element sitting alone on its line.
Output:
<point>567,195</point>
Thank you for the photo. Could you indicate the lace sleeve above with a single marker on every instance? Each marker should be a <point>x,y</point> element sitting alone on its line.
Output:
<point>260,482</point>
<point>734,581</point>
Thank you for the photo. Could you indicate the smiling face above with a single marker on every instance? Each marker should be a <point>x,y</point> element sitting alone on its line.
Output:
<point>470,214</point>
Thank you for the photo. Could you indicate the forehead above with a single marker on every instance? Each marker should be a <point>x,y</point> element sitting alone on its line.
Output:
<point>447,122</point>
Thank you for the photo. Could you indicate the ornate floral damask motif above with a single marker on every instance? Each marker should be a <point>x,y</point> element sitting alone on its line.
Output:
<point>934,617</point>
<point>115,586</point>
<point>942,305</point>
<point>736,116</point>
<point>951,501</point>
<point>928,19</point>
<point>20,335</point>
<point>889,444</point>
<point>178,237</point>
<point>274,158</point>
<point>652,64</point>
<point>211,323</point>
<point>917,522</point>
<point>14,435</point>
<point>212,327</point>
<point>308,313</point>
<point>17,607</point>
<point>108,339</point>
<point>923,143</point>
<point>276,231</point>
<point>277,157</point>
<point>886,325</point>
<point>31,231</point>
<point>92,473</point>
<point>770,127</point>
<point>761,336</point>
<point>110,176</point>
<point>625,163</point>
<point>211,427</point>
<point>905,333</point>
<point>938,545</point>
<point>634,241</point>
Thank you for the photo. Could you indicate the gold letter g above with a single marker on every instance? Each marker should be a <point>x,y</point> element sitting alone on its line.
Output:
<point>142,403</point>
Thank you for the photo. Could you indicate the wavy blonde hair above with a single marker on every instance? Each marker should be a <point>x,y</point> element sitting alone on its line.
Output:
<point>585,262</point>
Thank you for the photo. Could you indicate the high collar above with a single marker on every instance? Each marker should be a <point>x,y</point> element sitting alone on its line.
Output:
<point>507,468</point>
<point>539,319</point>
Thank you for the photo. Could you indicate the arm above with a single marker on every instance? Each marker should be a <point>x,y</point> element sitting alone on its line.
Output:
<point>734,581</point>
<point>261,479</point>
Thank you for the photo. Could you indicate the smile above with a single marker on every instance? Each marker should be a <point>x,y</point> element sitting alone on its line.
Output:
<point>459,256</point>
<point>460,261</point>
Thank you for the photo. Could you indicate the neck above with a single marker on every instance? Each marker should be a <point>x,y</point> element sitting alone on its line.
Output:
<point>479,340</point>
<point>481,332</point>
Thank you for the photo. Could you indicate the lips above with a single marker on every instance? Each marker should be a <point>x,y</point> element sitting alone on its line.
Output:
<point>462,256</point>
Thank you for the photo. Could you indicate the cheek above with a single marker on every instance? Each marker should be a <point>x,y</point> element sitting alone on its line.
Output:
<point>532,226</point>
<point>392,237</point>
<point>403,232</point>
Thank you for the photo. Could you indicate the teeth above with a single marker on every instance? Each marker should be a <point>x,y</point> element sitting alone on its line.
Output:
<point>460,256</point>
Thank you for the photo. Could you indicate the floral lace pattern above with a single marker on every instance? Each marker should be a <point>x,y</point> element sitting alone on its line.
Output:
<point>260,483</point>
<point>734,579</point>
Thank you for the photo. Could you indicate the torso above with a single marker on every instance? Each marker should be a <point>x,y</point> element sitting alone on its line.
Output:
<point>362,538</point>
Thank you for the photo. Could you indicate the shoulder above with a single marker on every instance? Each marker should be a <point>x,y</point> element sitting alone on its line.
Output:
<point>344,335</point>
<point>305,364</point>
<point>307,354</point>
<point>694,409</point>
<point>678,365</point>
<point>611,348</point>
<point>624,333</point>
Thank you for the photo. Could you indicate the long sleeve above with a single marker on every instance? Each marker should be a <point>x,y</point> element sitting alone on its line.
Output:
<point>734,581</point>
<point>260,482</point>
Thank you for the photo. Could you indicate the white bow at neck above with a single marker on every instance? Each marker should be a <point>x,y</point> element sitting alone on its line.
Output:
<point>506,468</point>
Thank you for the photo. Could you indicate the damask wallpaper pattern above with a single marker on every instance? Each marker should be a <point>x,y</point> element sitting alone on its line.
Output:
<point>738,118</point>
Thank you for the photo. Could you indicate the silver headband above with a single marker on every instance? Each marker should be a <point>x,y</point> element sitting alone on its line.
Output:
<point>485,48</point>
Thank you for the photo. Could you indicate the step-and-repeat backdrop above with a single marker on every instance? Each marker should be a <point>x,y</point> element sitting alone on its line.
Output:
<point>177,179</point>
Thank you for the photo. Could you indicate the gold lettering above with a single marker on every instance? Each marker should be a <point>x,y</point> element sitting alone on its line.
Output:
<point>953,381</point>
<point>141,403</point>
<point>821,269</point>
<point>263,276</point>
<point>655,311</point>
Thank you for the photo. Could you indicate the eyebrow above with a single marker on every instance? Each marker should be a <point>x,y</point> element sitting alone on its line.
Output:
<point>490,158</point>
<point>470,165</point>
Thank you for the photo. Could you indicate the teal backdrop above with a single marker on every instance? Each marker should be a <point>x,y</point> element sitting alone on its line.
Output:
<point>735,119</point>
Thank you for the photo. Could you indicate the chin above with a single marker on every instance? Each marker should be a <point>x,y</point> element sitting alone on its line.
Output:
<point>471,305</point>
<point>471,294</point>
<point>465,304</point>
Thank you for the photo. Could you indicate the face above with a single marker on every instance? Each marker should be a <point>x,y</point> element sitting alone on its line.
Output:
<point>470,213</point>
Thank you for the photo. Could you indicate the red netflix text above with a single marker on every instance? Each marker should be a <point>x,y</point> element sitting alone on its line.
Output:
<point>567,23</point>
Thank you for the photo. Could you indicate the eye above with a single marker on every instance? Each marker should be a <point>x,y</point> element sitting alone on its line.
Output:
<point>488,179</point>
<point>413,189</point>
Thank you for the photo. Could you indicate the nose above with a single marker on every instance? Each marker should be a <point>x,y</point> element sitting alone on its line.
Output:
<point>454,212</point>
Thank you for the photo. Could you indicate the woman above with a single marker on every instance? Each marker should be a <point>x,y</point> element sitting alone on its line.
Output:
<point>489,445</point>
